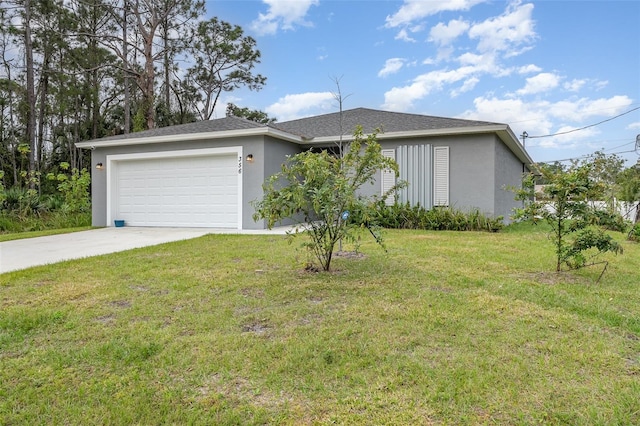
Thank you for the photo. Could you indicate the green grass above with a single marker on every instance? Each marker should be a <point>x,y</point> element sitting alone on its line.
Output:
<point>12,223</point>
<point>444,328</point>
<point>34,234</point>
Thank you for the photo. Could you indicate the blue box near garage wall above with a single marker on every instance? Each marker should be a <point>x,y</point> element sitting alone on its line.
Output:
<point>118,223</point>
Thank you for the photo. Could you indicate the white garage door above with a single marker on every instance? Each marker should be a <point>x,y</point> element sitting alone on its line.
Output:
<point>194,191</point>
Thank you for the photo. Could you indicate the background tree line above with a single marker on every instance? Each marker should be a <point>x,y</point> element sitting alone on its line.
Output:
<point>83,69</point>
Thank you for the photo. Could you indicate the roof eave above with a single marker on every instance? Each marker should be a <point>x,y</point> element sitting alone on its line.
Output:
<point>510,139</point>
<point>258,131</point>
<point>415,133</point>
<point>503,131</point>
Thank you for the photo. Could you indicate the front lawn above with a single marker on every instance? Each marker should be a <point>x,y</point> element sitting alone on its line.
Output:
<point>44,233</point>
<point>444,328</point>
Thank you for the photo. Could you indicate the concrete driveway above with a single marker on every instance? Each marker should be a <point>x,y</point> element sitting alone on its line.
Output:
<point>25,253</point>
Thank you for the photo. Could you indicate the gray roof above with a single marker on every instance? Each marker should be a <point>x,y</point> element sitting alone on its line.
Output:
<point>206,126</point>
<point>328,125</point>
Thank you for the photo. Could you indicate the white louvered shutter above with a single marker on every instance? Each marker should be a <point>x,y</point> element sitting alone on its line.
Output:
<point>388,176</point>
<point>441,176</point>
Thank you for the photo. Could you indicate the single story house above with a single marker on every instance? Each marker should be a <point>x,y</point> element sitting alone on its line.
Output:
<point>206,174</point>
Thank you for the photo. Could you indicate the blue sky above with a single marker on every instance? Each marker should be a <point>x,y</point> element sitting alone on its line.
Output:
<point>544,67</point>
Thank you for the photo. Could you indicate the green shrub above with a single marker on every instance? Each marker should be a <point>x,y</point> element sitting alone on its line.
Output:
<point>53,203</point>
<point>22,202</point>
<point>405,216</point>
<point>62,219</point>
<point>634,233</point>
<point>11,222</point>
<point>74,188</point>
<point>609,221</point>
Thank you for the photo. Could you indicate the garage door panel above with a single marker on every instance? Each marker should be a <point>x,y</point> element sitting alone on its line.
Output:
<point>184,191</point>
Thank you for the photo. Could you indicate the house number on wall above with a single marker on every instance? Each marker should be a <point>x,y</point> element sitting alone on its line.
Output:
<point>239,164</point>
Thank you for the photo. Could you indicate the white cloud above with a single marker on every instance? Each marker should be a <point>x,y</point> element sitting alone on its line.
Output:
<point>604,106</point>
<point>414,10</point>
<point>529,69</point>
<point>634,126</point>
<point>542,82</point>
<point>301,105</point>
<point>468,85</point>
<point>599,85</point>
<point>498,37</point>
<point>510,32</point>
<point>566,138</point>
<point>578,111</point>
<point>391,66</point>
<point>283,14</point>
<point>575,85</point>
<point>402,98</point>
<point>404,36</point>
<point>482,63</point>
<point>510,111</point>
<point>444,34</point>
<point>539,118</point>
<point>445,53</point>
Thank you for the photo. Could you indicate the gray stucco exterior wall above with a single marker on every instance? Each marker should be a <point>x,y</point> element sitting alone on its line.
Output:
<point>270,157</point>
<point>484,159</point>
<point>252,180</point>
<point>481,168</point>
<point>471,172</point>
<point>509,173</point>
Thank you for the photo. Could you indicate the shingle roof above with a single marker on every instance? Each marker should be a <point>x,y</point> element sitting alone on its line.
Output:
<point>206,126</point>
<point>328,125</point>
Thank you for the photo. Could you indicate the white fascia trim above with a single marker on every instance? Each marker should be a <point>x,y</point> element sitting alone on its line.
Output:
<point>510,139</point>
<point>225,134</point>
<point>112,161</point>
<point>416,133</point>
<point>173,154</point>
<point>503,131</point>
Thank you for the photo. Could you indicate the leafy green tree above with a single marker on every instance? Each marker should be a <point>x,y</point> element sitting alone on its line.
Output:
<point>319,190</point>
<point>253,115</point>
<point>565,208</point>
<point>628,182</point>
<point>546,169</point>
<point>604,170</point>
<point>144,42</point>
<point>3,195</point>
<point>224,61</point>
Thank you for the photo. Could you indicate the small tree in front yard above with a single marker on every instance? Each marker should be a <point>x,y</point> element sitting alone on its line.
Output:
<point>319,190</point>
<point>565,208</point>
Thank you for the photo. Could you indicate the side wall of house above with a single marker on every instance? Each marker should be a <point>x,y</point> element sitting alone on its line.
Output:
<point>253,173</point>
<point>471,171</point>
<point>275,154</point>
<point>509,171</point>
<point>481,168</point>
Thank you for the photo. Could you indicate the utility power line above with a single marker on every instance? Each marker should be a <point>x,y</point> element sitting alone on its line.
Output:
<point>583,156</point>
<point>585,127</point>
